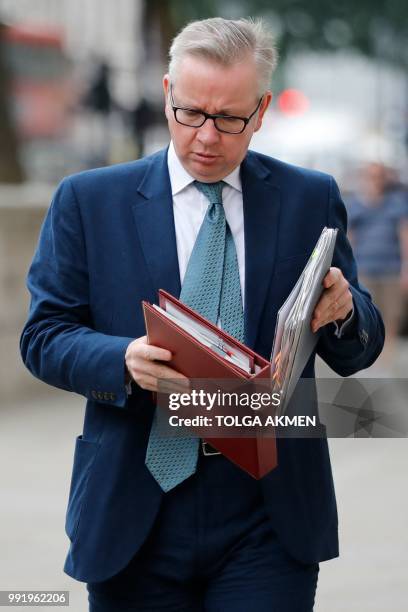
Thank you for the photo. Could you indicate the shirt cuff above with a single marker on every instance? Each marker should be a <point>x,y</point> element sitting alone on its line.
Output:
<point>128,387</point>
<point>128,382</point>
<point>341,328</point>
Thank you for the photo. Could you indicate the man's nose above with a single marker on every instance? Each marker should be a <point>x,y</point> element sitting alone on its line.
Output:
<point>208,133</point>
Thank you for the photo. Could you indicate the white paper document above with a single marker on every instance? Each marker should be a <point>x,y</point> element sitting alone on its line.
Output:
<point>294,340</point>
<point>207,337</point>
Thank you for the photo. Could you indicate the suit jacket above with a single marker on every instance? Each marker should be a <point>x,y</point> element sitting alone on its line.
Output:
<point>108,242</point>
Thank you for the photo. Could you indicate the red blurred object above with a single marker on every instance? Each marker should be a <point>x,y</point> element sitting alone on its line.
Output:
<point>293,102</point>
<point>38,35</point>
<point>40,80</point>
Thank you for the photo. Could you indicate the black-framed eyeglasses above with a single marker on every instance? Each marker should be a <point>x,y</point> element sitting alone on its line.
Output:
<point>192,117</point>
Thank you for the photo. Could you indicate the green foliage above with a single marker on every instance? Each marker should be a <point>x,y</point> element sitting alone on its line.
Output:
<point>374,27</point>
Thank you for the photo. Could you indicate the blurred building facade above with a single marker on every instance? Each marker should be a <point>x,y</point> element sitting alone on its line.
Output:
<point>54,51</point>
<point>356,112</point>
<point>98,28</point>
<point>90,31</point>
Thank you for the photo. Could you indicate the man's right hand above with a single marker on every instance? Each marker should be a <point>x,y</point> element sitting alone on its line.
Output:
<point>145,365</point>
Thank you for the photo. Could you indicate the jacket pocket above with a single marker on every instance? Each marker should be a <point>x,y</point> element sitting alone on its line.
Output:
<point>84,456</point>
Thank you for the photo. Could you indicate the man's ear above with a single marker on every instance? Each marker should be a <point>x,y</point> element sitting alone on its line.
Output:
<point>267,99</point>
<point>166,86</point>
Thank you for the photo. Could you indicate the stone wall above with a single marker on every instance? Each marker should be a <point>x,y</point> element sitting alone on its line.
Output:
<point>22,209</point>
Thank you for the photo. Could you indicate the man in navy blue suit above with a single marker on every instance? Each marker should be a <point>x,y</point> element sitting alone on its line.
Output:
<point>219,539</point>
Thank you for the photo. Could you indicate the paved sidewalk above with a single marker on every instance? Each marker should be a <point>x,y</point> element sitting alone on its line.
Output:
<point>36,445</point>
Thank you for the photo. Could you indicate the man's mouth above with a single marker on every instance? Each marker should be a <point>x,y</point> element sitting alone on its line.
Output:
<point>206,156</point>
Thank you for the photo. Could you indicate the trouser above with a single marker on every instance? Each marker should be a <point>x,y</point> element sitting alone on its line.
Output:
<point>212,549</point>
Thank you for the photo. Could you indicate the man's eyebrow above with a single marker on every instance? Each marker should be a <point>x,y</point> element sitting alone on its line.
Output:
<point>228,111</point>
<point>223,111</point>
<point>196,107</point>
<point>184,104</point>
<point>192,106</point>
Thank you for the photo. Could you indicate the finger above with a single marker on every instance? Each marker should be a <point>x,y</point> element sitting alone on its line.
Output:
<point>337,309</point>
<point>163,385</point>
<point>333,309</point>
<point>338,312</point>
<point>159,370</point>
<point>153,353</point>
<point>169,385</point>
<point>332,277</point>
<point>147,382</point>
<point>330,300</point>
<point>139,348</point>
<point>345,299</point>
<point>327,297</point>
<point>333,294</point>
<point>343,314</point>
<point>139,369</point>
<point>343,306</point>
<point>324,309</point>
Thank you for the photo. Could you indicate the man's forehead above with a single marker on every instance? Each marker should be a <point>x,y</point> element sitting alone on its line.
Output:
<point>202,83</point>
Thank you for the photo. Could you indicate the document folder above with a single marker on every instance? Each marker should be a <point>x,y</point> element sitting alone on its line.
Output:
<point>256,455</point>
<point>294,340</point>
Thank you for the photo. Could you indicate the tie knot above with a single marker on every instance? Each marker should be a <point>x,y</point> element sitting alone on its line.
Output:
<point>212,191</point>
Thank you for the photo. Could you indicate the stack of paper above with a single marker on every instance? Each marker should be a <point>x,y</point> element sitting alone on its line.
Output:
<point>294,339</point>
<point>207,337</point>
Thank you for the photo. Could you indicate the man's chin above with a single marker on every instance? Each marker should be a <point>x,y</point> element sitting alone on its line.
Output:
<point>206,172</point>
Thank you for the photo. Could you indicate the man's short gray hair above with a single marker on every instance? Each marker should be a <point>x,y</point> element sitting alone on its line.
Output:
<point>227,41</point>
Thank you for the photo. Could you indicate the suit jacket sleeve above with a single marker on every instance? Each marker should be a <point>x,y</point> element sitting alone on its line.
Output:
<point>363,340</point>
<point>59,344</point>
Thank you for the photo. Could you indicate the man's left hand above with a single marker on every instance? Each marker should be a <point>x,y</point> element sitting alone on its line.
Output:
<point>336,301</point>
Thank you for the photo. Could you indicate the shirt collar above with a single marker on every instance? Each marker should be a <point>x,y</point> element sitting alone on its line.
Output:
<point>180,178</point>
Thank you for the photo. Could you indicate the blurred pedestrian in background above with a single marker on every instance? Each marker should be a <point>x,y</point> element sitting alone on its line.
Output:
<point>98,101</point>
<point>98,98</point>
<point>142,117</point>
<point>378,228</point>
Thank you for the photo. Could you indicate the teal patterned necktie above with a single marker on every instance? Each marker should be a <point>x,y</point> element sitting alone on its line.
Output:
<point>212,287</point>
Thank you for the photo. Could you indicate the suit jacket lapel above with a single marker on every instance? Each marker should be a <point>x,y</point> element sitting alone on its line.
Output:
<point>261,201</point>
<point>155,225</point>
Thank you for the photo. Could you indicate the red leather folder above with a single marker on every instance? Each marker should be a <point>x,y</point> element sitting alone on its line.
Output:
<point>256,455</point>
